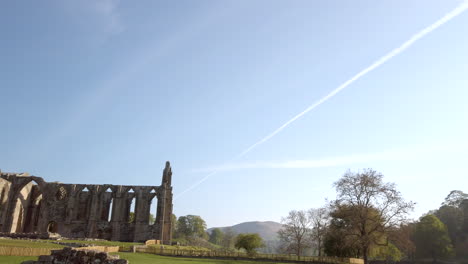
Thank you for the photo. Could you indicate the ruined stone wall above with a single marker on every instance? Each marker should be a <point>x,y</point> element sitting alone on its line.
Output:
<point>4,190</point>
<point>73,256</point>
<point>29,204</point>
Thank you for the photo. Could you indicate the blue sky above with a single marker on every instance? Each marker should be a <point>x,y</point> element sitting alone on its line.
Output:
<point>107,91</point>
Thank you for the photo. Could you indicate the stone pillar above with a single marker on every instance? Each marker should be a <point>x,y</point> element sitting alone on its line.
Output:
<point>163,230</point>
<point>118,212</point>
<point>142,211</point>
<point>43,218</point>
<point>5,187</point>
<point>93,216</point>
<point>72,204</point>
<point>10,207</point>
<point>167,212</point>
<point>163,224</point>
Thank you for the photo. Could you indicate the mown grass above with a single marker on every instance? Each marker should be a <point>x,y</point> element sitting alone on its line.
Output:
<point>143,258</point>
<point>49,244</point>
<point>27,244</point>
<point>15,259</point>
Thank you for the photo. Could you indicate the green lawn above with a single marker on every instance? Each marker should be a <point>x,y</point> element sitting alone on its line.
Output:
<point>15,259</point>
<point>142,258</point>
<point>27,243</point>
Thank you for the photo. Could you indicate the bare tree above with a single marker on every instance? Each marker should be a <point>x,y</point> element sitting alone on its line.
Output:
<point>295,233</point>
<point>371,206</point>
<point>228,238</point>
<point>455,198</point>
<point>319,219</point>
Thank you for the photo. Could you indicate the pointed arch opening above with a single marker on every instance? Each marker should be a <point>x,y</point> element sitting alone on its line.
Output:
<point>152,207</point>
<point>27,211</point>
<point>108,204</point>
<point>84,200</point>
<point>131,206</point>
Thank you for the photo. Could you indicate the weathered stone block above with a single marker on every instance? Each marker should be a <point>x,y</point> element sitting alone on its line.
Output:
<point>46,258</point>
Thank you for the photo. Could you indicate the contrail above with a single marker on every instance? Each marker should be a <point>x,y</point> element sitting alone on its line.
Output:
<point>407,44</point>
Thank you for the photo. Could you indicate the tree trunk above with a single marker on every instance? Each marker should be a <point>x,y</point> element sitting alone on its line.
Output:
<point>364,254</point>
<point>320,248</point>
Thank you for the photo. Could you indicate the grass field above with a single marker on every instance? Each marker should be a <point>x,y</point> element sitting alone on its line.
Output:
<point>27,244</point>
<point>142,258</point>
<point>15,259</point>
<point>134,258</point>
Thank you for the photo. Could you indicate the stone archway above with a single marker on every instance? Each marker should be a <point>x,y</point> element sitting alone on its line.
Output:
<point>52,227</point>
<point>27,208</point>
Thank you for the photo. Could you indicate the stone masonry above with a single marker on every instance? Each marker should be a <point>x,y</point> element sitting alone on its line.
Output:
<point>72,256</point>
<point>28,204</point>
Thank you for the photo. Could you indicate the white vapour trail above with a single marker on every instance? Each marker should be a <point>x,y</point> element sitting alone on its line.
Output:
<point>462,7</point>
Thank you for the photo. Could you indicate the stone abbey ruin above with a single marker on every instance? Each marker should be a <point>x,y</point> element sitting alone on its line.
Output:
<point>28,204</point>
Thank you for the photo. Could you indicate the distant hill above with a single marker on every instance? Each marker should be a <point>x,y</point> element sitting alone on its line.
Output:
<point>267,230</point>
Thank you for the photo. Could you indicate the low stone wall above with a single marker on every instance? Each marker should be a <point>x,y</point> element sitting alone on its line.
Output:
<point>107,249</point>
<point>22,251</point>
<point>356,261</point>
<point>244,256</point>
<point>152,242</point>
<point>73,256</point>
<point>26,235</point>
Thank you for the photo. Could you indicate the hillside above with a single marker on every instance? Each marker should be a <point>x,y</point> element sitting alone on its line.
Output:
<point>267,230</point>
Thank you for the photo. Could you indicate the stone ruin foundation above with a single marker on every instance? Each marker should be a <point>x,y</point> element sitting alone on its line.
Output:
<point>73,256</point>
<point>29,205</point>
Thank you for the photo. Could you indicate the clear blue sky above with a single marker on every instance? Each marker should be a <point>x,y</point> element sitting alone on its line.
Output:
<point>107,91</point>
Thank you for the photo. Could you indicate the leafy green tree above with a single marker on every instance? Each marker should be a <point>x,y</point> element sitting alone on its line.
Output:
<point>151,219</point>
<point>339,239</point>
<point>191,226</point>
<point>249,242</point>
<point>432,239</point>
<point>336,243</point>
<point>451,213</point>
<point>371,206</point>
<point>402,238</point>
<point>131,217</point>
<point>452,217</point>
<point>388,253</point>
<point>174,225</point>
<point>216,236</point>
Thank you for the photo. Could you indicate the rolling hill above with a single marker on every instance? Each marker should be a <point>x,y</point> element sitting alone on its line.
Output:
<point>267,230</point>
